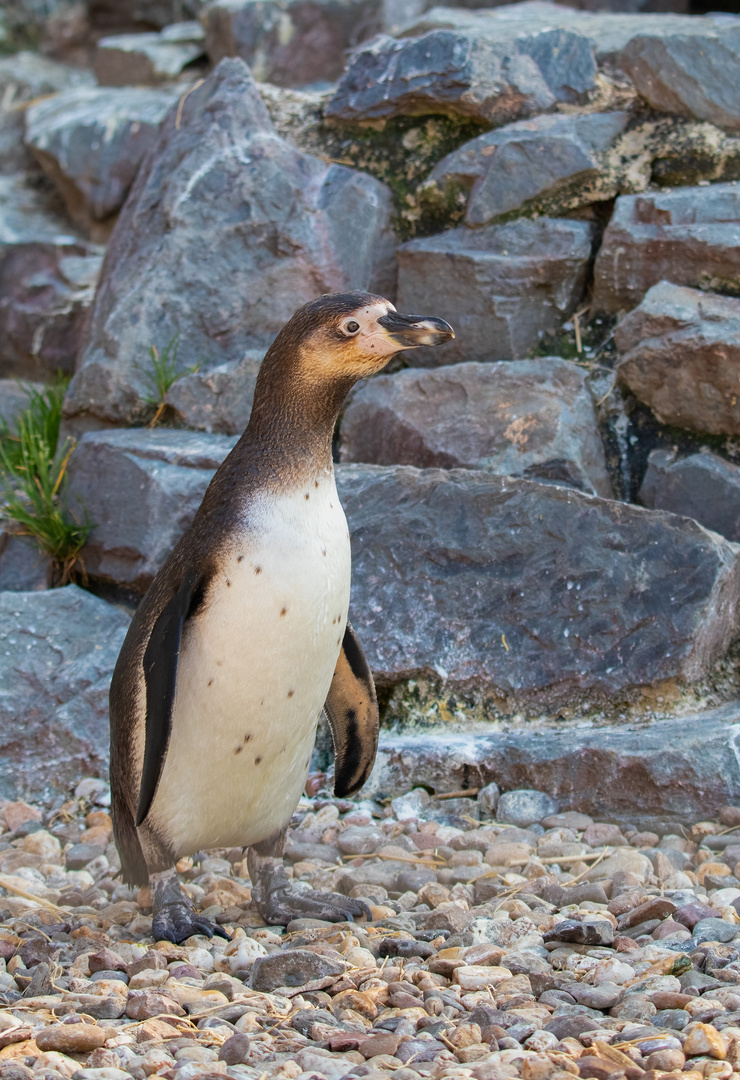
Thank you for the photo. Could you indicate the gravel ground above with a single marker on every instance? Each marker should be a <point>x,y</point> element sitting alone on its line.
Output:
<point>508,940</point>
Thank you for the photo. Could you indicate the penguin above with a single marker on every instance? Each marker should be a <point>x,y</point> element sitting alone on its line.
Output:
<point>243,636</point>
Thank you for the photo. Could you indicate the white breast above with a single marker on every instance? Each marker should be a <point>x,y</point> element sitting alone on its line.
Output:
<point>255,670</point>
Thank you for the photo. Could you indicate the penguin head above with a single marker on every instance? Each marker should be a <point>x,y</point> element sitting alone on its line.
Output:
<point>352,335</point>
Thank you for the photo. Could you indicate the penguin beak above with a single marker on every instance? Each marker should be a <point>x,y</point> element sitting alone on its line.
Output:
<point>410,331</point>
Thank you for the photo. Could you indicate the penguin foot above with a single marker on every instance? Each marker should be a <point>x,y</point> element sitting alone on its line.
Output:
<point>287,902</point>
<point>178,921</point>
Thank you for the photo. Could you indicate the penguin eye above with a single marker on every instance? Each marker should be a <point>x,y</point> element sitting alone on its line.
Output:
<point>351,327</point>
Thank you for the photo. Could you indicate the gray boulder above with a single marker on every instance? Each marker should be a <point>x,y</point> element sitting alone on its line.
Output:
<point>525,806</point>
<point>608,31</point>
<point>228,229</point>
<point>684,767</point>
<point>701,486</point>
<point>485,78</point>
<point>148,59</point>
<point>290,42</point>
<point>132,16</point>
<point>47,282</point>
<point>549,164</point>
<point>91,142</point>
<point>678,75</point>
<point>14,399</point>
<point>690,236</point>
<point>679,353</point>
<point>532,418</point>
<point>501,286</point>
<point>57,653</point>
<point>23,77</point>
<point>512,592</point>
<point>22,566</point>
<point>218,400</point>
<point>154,482</point>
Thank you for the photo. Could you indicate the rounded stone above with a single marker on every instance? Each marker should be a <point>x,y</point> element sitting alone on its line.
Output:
<point>713,930</point>
<point>525,806</point>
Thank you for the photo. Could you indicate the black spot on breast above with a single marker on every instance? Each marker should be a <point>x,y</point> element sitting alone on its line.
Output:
<point>315,483</point>
<point>238,749</point>
<point>307,495</point>
<point>323,551</point>
<point>228,584</point>
<point>290,693</point>
<point>283,612</point>
<point>257,760</point>
<point>210,682</point>
<point>239,558</point>
<point>247,738</point>
<point>258,569</point>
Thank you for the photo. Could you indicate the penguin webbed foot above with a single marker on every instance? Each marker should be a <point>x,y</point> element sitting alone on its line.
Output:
<point>279,900</point>
<point>285,902</point>
<point>178,921</point>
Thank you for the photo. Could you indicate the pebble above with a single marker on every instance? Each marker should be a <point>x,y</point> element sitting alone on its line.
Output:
<point>471,970</point>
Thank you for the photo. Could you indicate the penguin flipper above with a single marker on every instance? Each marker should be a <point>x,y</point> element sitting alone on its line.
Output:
<point>352,711</point>
<point>160,675</point>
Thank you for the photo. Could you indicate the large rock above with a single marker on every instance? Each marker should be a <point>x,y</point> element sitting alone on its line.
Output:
<point>148,59</point>
<point>701,486</point>
<point>678,75</point>
<point>47,282</point>
<point>91,142</point>
<point>23,77</point>
<point>218,400</point>
<point>532,418</point>
<point>690,236</point>
<point>510,591</point>
<point>549,164</point>
<point>14,400</point>
<point>609,31</point>
<point>491,79</point>
<point>228,229</point>
<point>685,767</point>
<point>126,16</point>
<point>290,42</point>
<point>164,475</point>
<point>501,286</point>
<point>22,566</point>
<point>680,354</point>
<point>57,653</point>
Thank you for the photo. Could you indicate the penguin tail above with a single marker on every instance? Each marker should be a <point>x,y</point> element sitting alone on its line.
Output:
<point>133,863</point>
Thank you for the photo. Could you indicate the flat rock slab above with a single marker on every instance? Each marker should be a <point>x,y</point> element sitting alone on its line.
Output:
<point>491,79</point>
<point>676,76</point>
<point>609,31</point>
<point>690,236</point>
<point>57,653</point>
<point>268,224</point>
<point>148,59</point>
<point>90,141</point>
<point>531,418</point>
<point>549,161</point>
<point>41,328</point>
<point>701,486</point>
<point>680,354</point>
<point>501,286</point>
<point>290,42</point>
<point>685,766</point>
<point>512,590</point>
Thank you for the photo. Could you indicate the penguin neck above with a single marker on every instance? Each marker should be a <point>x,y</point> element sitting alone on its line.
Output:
<point>290,430</point>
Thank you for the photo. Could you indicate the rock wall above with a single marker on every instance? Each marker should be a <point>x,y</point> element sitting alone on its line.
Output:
<point>543,512</point>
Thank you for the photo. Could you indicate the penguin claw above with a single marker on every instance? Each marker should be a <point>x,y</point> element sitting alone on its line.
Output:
<point>283,904</point>
<point>177,922</point>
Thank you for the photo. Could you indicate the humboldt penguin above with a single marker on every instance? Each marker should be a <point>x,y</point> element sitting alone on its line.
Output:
<point>243,636</point>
